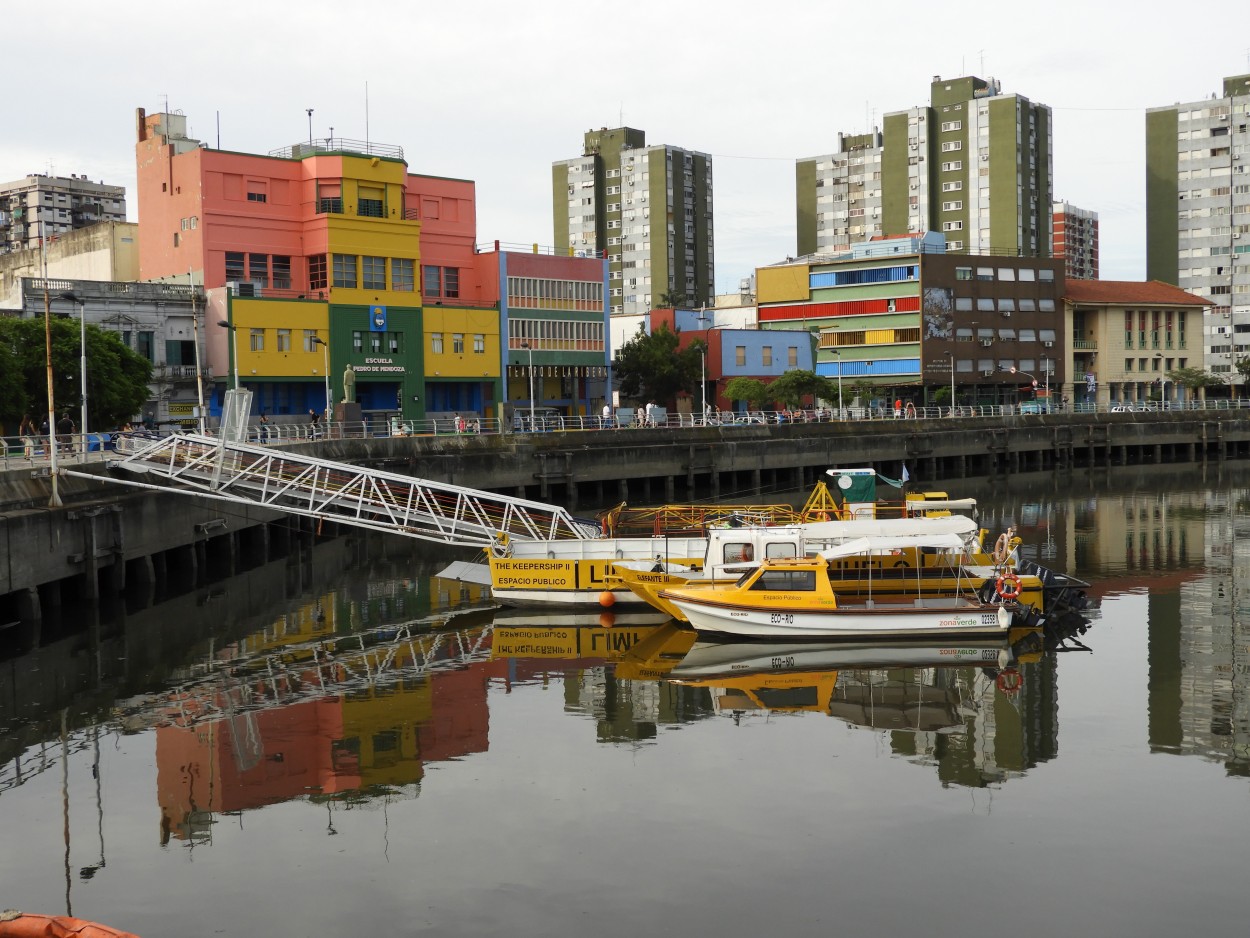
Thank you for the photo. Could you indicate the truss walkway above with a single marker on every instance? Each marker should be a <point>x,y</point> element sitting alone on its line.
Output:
<point>272,477</point>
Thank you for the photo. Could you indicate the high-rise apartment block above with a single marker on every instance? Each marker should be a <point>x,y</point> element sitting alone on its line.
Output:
<point>1075,240</point>
<point>974,164</point>
<point>647,209</point>
<point>47,206</point>
<point>1198,212</point>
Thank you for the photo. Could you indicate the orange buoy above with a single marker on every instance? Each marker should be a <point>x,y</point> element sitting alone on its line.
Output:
<point>607,599</point>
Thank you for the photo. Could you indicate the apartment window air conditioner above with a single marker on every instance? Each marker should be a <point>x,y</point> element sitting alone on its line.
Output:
<point>1049,344</point>
<point>243,288</point>
<point>987,342</point>
<point>988,373</point>
<point>1006,314</point>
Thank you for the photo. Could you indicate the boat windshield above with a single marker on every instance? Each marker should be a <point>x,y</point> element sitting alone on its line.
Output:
<point>787,581</point>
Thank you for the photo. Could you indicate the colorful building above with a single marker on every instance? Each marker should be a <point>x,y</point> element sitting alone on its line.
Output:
<point>902,317</point>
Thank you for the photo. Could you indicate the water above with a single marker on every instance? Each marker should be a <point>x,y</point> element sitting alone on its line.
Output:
<point>340,744</point>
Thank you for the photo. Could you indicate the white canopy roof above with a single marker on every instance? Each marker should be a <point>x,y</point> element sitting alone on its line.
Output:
<point>890,527</point>
<point>865,545</point>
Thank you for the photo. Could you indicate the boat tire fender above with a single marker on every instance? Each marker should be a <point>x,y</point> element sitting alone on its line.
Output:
<point>1002,548</point>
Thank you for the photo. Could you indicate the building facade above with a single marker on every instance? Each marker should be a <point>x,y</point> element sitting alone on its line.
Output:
<point>1075,240</point>
<point>49,206</point>
<point>647,209</point>
<point>975,164</point>
<point>103,251</point>
<point>159,321</point>
<point>1125,338</point>
<point>903,317</point>
<point>1198,213</point>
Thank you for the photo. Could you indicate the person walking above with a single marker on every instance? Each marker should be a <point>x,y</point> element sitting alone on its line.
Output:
<point>314,423</point>
<point>27,432</point>
<point>65,427</point>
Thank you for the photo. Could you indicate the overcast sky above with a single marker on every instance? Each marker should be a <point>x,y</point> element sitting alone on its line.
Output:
<point>496,91</point>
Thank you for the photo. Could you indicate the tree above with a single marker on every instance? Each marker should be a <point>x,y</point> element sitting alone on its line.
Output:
<point>650,367</point>
<point>671,299</point>
<point>792,387</point>
<point>751,390</point>
<point>1195,379</point>
<point>117,378</point>
<point>1243,368</point>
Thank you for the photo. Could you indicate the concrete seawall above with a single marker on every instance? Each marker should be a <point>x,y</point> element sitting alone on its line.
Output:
<point>109,538</point>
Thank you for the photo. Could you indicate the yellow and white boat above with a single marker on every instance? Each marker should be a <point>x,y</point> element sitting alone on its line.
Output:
<point>580,572</point>
<point>803,598</point>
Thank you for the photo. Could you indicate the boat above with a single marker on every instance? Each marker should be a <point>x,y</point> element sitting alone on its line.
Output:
<point>730,553</point>
<point>799,597</point>
<point>578,572</point>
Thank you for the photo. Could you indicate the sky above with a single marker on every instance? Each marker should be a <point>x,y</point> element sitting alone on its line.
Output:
<point>497,91</point>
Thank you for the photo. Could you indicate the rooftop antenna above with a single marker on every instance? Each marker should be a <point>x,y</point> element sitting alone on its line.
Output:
<point>166,97</point>
<point>983,62</point>
<point>366,117</point>
<point>219,130</point>
<point>310,110</point>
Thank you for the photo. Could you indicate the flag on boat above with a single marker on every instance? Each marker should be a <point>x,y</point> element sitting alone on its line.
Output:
<point>906,474</point>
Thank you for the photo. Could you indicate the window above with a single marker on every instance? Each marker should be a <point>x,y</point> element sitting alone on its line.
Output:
<point>317,272</point>
<point>1046,306</point>
<point>1007,274</point>
<point>256,340</point>
<point>479,344</point>
<point>330,197</point>
<point>358,342</point>
<point>790,581</point>
<point>373,273</point>
<point>792,356</point>
<point>234,265</point>
<point>440,281</point>
<point>985,273</point>
<point>309,344</point>
<point>394,342</point>
<point>952,226</point>
<point>345,270</point>
<point>1026,274</point>
<point>436,343</point>
<point>1006,305</point>
<point>951,145</point>
<point>457,343</point>
<point>284,340</point>
<point>281,271</point>
<point>369,201</point>
<point>1046,275</point>
<point>451,282</point>
<point>952,166</point>
<point>401,274</point>
<point>952,206</point>
<point>257,197</point>
<point>954,186</point>
<point>258,269</point>
<point>963,304</point>
<point>985,304</point>
<point>740,355</point>
<point>963,273</point>
<point>766,356</point>
<point>952,125</point>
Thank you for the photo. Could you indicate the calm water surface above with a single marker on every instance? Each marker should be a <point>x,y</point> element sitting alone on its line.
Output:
<point>338,743</point>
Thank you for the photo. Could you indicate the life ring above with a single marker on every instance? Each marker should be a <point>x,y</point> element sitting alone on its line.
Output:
<point>1008,586</point>
<point>1008,681</point>
<point>1002,547</point>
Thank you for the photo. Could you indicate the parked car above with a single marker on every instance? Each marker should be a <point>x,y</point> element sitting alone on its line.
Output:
<point>1034,407</point>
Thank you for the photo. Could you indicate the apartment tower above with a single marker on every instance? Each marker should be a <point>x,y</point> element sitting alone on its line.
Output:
<point>1075,240</point>
<point>48,206</point>
<point>974,164</point>
<point>648,210</point>
<point>1198,212</point>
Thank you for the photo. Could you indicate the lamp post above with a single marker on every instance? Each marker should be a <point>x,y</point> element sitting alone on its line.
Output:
<point>54,500</point>
<point>526,346</point>
<point>838,353</point>
<point>951,355</point>
<point>1015,371</point>
<point>234,348</point>
<point>82,360</point>
<point>317,340</point>
<point>703,368</point>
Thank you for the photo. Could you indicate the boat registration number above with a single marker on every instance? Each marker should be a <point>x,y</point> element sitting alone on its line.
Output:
<point>781,618</point>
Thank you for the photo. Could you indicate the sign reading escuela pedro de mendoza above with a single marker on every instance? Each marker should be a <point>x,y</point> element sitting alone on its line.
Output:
<point>375,366</point>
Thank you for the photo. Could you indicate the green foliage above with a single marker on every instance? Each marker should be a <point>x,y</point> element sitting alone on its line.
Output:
<point>796,387</point>
<point>650,367</point>
<point>1243,368</point>
<point>751,390</point>
<point>117,378</point>
<point>1196,378</point>
<point>671,299</point>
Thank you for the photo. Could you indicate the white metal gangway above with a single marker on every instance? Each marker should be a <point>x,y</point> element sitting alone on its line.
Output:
<point>274,477</point>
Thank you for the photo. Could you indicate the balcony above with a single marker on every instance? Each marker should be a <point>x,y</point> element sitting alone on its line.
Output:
<point>178,372</point>
<point>1084,345</point>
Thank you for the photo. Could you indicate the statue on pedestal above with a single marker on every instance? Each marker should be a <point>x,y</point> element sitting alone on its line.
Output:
<point>349,385</point>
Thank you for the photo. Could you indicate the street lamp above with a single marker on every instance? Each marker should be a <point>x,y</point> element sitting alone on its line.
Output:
<point>951,355</point>
<point>526,346</point>
<point>234,348</point>
<point>838,353</point>
<point>1015,371</point>
<point>703,368</point>
<point>54,500</point>
<point>317,340</point>
<point>82,359</point>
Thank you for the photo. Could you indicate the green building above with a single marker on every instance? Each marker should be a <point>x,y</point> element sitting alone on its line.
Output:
<point>975,164</point>
<point>648,210</point>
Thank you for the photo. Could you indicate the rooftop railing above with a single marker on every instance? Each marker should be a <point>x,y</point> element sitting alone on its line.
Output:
<point>298,151</point>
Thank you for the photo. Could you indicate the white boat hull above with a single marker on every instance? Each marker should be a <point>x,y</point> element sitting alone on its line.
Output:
<point>845,621</point>
<point>731,659</point>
